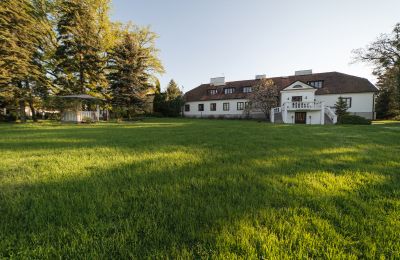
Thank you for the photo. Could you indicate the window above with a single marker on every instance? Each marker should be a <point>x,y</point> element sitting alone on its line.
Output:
<point>187,108</point>
<point>229,90</point>
<point>246,105</point>
<point>316,84</point>
<point>213,106</point>
<point>226,106</point>
<point>348,101</point>
<point>247,89</point>
<point>212,92</point>
<point>297,86</point>
<point>201,107</point>
<point>297,98</point>
<point>240,105</point>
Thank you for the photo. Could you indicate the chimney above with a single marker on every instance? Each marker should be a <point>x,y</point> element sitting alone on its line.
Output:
<point>220,81</point>
<point>262,76</point>
<point>302,72</point>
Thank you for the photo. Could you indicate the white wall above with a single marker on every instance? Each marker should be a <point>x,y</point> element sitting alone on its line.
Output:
<point>361,102</point>
<point>314,120</point>
<point>194,111</point>
<point>307,94</point>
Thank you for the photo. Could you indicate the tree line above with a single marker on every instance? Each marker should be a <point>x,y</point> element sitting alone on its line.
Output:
<point>61,47</point>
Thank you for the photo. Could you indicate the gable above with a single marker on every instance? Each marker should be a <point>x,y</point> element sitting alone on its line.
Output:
<point>299,85</point>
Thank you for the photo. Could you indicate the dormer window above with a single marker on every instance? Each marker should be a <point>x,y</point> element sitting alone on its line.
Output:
<point>247,89</point>
<point>316,84</point>
<point>212,92</point>
<point>229,90</point>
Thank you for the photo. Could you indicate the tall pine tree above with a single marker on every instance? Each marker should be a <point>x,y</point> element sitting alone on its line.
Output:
<point>84,37</point>
<point>24,31</point>
<point>132,65</point>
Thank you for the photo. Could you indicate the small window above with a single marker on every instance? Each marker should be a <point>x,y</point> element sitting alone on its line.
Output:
<point>348,101</point>
<point>297,86</point>
<point>201,107</point>
<point>213,106</point>
<point>212,92</point>
<point>247,89</point>
<point>240,105</point>
<point>229,90</point>
<point>246,105</point>
<point>226,106</point>
<point>297,98</point>
<point>316,84</point>
<point>187,108</point>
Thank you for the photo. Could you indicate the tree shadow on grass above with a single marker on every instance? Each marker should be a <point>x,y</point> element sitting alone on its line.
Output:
<point>143,210</point>
<point>254,196</point>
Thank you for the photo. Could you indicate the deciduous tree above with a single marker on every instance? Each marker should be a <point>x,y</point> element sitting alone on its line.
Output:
<point>264,96</point>
<point>384,55</point>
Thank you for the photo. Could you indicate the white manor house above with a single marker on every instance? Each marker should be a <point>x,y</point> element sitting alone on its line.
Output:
<point>305,98</point>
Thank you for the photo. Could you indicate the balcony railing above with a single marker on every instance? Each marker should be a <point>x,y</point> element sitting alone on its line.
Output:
<point>313,105</point>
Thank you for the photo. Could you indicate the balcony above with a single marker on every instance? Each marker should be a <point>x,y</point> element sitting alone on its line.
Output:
<point>302,106</point>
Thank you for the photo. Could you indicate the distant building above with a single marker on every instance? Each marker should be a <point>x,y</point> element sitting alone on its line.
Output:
<point>305,98</point>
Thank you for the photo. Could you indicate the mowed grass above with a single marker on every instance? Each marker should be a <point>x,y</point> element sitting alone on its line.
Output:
<point>180,188</point>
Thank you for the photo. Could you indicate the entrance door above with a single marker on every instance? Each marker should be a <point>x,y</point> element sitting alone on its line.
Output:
<point>300,117</point>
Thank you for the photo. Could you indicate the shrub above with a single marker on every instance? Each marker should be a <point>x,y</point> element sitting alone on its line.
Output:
<point>87,120</point>
<point>353,120</point>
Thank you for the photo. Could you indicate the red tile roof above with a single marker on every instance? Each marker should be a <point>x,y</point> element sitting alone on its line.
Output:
<point>334,83</point>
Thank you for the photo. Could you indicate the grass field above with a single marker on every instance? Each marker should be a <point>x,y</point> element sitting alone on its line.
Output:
<point>199,188</point>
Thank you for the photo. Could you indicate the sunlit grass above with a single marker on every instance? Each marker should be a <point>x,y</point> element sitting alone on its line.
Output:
<point>199,188</point>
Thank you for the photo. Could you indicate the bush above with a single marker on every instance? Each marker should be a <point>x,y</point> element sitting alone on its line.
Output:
<point>11,117</point>
<point>88,120</point>
<point>353,120</point>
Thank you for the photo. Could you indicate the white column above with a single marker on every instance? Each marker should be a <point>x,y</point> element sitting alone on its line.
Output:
<point>98,112</point>
<point>272,116</point>
<point>322,113</point>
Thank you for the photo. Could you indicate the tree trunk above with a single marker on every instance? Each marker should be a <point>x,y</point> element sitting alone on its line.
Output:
<point>30,102</point>
<point>22,114</point>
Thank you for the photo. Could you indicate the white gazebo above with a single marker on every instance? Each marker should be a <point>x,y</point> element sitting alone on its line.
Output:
<point>78,111</point>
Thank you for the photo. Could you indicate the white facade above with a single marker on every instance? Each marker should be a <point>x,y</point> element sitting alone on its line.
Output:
<point>298,104</point>
<point>362,104</point>
<point>233,111</point>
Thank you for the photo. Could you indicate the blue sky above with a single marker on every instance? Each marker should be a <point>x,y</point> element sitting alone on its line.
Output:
<point>200,39</point>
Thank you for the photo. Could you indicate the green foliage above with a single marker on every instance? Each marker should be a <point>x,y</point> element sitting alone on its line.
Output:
<point>132,62</point>
<point>201,189</point>
<point>82,46</point>
<point>341,108</point>
<point>384,55</point>
<point>386,100</point>
<point>57,47</point>
<point>169,103</point>
<point>353,119</point>
<point>25,32</point>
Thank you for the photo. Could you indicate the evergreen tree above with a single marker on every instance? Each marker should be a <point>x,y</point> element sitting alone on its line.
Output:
<point>173,90</point>
<point>386,100</point>
<point>133,62</point>
<point>24,31</point>
<point>84,37</point>
<point>341,107</point>
<point>174,99</point>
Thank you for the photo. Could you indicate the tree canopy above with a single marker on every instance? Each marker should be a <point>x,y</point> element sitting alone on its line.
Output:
<point>384,55</point>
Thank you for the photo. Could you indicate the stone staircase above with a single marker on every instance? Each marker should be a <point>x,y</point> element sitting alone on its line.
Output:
<point>328,120</point>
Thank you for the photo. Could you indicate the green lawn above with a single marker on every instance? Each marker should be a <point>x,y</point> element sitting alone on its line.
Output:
<point>199,188</point>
